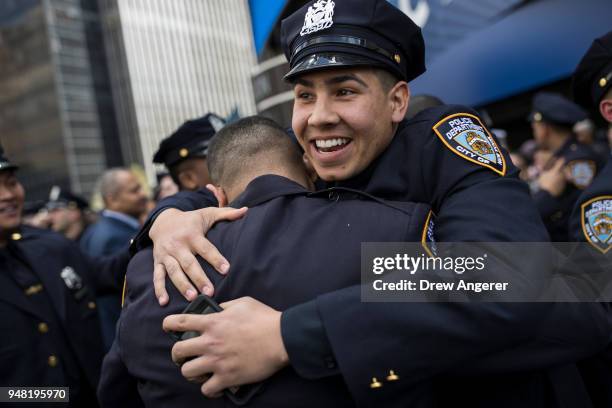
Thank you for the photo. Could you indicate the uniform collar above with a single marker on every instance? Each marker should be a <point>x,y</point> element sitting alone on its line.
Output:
<point>266,188</point>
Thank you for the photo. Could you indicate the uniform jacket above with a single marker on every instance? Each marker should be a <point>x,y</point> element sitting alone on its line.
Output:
<point>597,370</point>
<point>440,346</point>
<point>323,233</point>
<point>69,278</point>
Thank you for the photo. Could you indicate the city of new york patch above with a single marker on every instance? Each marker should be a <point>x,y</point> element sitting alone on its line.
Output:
<point>466,136</point>
<point>596,218</point>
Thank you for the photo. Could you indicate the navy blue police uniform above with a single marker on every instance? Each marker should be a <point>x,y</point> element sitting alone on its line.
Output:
<point>581,163</point>
<point>279,222</point>
<point>48,313</point>
<point>591,82</point>
<point>591,220</point>
<point>447,158</point>
<point>51,334</point>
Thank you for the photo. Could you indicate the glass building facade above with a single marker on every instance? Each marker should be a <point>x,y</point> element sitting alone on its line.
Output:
<point>56,115</point>
<point>171,61</point>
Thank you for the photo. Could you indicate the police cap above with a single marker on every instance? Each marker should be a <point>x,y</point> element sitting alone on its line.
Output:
<point>348,33</point>
<point>190,140</point>
<point>555,109</point>
<point>593,76</point>
<point>5,163</point>
<point>62,198</point>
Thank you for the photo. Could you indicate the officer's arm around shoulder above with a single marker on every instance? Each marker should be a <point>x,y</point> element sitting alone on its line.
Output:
<point>184,201</point>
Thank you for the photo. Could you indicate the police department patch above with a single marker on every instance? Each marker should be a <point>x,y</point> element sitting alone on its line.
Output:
<point>465,135</point>
<point>596,218</point>
<point>581,172</point>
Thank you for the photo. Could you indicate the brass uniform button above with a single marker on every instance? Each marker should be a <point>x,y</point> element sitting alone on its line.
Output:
<point>603,82</point>
<point>34,289</point>
<point>91,305</point>
<point>43,327</point>
<point>52,360</point>
<point>183,152</point>
<point>392,376</point>
<point>375,383</point>
<point>397,58</point>
<point>537,116</point>
<point>16,236</point>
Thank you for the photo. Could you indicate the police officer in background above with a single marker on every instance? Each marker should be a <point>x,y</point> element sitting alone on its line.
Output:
<point>350,63</point>
<point>572,166</point>
<point>68,213</point>
<point>184,152</point>
<point>48,320</point>
<point>592,87</point>
<point>591,219</point>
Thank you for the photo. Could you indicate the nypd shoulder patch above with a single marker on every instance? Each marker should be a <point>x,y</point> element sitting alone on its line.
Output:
<point>581,172</point>
<point>466,136</point>
<point>596,219</point>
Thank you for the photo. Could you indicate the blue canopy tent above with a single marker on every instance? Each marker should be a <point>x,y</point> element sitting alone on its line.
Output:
<point>537,44</point>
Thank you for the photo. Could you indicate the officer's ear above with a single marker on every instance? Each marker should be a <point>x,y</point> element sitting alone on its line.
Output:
<point>188,180</point>
<point>219,194</point>
<point>399,96</point>
<point>605,107</point>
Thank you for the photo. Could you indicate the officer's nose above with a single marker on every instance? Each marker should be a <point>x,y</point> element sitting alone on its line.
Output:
<point>323,113</point>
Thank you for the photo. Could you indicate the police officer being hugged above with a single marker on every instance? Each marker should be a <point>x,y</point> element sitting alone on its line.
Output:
<point>350,63</point>
<point>48,317</point>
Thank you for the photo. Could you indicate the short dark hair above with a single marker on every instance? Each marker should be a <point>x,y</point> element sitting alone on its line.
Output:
<point>386,78</point>
<point>247,144</point>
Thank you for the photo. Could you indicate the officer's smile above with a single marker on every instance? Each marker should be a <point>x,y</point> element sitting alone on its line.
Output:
<point>331,151</point>
<point>331,145</point>
<point>10,210</point>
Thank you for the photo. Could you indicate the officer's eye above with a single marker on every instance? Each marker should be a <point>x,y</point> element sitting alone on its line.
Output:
<point>344,92</point>
<point>304,96</point>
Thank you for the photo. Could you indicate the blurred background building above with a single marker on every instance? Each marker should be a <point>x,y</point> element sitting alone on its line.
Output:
<point>56,113</point>
<point>90,84</point>
<point>175,60</point>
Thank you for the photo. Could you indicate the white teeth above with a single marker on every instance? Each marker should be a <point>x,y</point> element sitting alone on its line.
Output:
<point>331,142</point>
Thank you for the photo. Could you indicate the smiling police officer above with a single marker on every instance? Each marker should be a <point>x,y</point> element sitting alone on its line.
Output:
<point>48,314</point>
<point>350,63</point>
